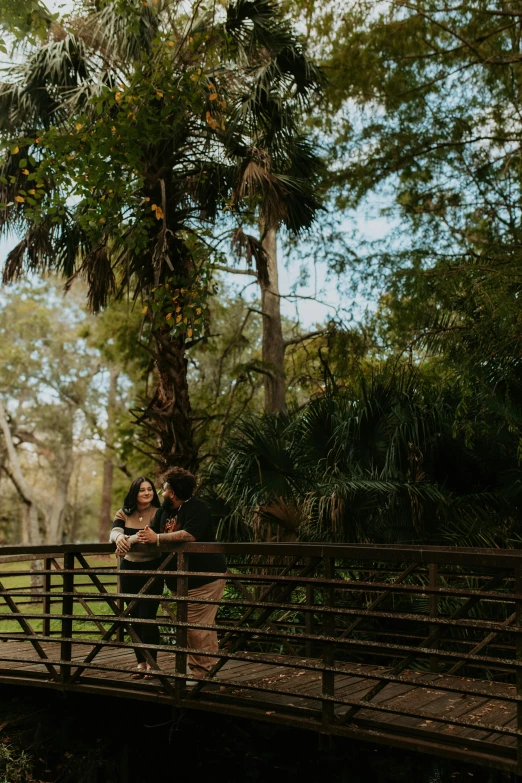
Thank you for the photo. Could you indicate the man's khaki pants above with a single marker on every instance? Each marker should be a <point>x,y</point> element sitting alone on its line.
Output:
<point>203,614</point>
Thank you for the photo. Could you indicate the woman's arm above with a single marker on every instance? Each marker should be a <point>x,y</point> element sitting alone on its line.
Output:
<point>122,542</point>
<point>118,536</point>
<point>116,532</point>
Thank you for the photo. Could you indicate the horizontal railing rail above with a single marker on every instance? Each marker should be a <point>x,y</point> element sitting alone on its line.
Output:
<point>473,556</point>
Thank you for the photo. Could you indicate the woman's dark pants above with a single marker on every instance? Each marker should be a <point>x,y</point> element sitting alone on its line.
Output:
<point>146,609</point>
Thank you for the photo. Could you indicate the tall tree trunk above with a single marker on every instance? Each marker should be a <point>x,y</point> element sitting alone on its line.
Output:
<point>273,350</point>
<point>169,415</point>
<point>108,467</point>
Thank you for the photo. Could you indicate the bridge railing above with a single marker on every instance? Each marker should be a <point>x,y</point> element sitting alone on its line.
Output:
<point>384,614</point>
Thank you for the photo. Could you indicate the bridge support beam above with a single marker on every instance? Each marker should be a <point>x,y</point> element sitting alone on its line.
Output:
<point>181,632</point>
<point>328,656</point>
<point>67,611</point>
<point>434,612</point>
<point>518,645</point>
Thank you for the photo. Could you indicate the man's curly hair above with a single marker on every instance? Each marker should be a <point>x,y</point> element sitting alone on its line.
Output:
<point>182,482</point>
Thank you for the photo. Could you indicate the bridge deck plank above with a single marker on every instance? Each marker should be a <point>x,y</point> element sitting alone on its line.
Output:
<point>422,694</point>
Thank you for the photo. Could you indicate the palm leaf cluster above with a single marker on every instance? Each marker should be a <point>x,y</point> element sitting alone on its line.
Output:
<point>375,460</point>
<point>225,129</point>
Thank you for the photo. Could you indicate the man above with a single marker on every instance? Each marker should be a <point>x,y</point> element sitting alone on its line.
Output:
<point>192,522</point>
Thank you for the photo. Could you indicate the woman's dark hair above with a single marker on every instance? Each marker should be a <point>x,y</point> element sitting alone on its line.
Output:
<point>130,504</point>
<point>181,482</point>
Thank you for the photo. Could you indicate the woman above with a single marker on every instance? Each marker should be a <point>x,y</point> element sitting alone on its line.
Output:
<point>139,509</point>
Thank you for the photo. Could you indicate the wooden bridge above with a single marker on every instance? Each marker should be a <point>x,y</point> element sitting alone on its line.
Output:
<point>413,647</point>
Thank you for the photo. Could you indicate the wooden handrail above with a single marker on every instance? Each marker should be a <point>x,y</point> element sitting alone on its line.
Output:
<point>472,556</point>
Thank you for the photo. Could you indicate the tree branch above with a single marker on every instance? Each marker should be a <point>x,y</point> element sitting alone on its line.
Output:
<point>261,370</point>
<point>28,437</point>
<point>10,475</point>
<point>19,481</point>
<point>301,338</point>
<point>235,271</point>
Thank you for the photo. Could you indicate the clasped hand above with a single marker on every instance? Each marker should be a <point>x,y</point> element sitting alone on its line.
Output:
<point>147,536</point>
<point>122,546</point>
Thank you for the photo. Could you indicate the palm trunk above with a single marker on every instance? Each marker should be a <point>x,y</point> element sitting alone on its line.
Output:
<point>108,468</point>
<point>168,417</point>
<point>169,413</point>
<point>273,350</point>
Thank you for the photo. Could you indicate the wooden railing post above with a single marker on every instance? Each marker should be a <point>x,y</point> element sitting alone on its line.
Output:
<point>181,616</point>
<point>67,623</point>
<point>434,612</point>
<point>309,616</point>
<point>120,633</point>
<point>46,625</point>
<point>328,656</point>
<point>518,646</point>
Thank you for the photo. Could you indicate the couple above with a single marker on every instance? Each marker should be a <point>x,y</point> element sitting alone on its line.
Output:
<point>181,517</point>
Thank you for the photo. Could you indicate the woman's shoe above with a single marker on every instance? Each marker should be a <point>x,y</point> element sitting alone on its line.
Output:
<point>138,675</point>
<point>150,676</point>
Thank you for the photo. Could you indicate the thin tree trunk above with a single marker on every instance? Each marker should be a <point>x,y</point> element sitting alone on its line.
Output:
<point>108,468</point>
<point>30,526</point>
<point>63,467</point>
<point>18,479</point>
<point>54,527</point>
<point>106,501</point>
<point>273,350</point>
<point>25,525</point>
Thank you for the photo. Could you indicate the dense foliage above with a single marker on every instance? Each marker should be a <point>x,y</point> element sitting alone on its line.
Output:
<point>374,459</point>
<point>425,116</point>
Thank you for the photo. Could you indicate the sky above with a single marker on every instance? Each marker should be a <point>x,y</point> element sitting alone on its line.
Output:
<point>327,290</point>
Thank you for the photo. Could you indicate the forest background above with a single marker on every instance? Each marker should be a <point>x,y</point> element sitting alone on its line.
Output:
<point>154,153</point>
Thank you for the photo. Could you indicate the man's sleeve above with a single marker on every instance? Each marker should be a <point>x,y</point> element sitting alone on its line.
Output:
<point>197,520</point>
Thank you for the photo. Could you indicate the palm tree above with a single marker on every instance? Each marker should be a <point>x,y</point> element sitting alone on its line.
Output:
<point>138,124</point>
<point>371,460</point>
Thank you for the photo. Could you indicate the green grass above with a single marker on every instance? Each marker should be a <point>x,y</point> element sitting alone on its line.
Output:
<point>82,583</point>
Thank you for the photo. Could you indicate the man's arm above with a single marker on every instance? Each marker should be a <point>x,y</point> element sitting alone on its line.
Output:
<point>148,536</point>
<point>177,535</point>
